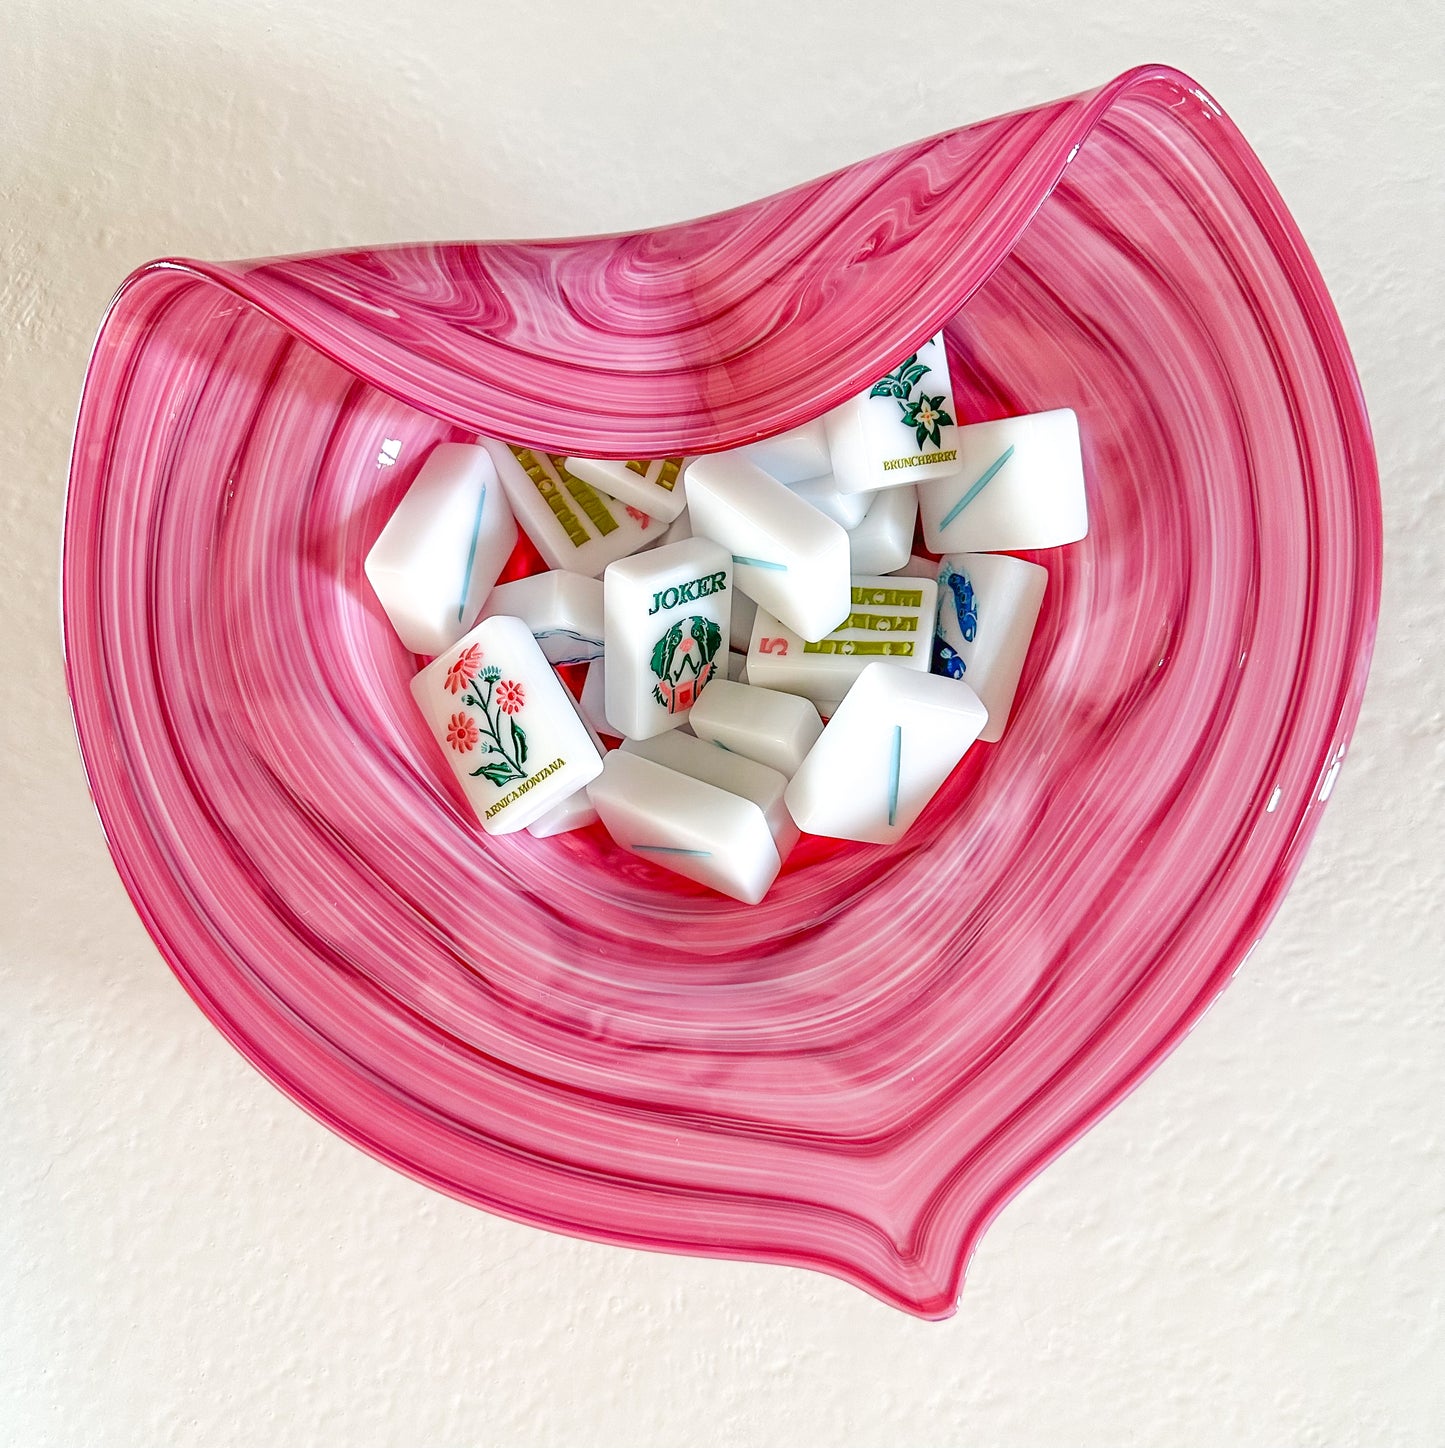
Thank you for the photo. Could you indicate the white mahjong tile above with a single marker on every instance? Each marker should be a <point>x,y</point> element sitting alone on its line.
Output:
<point>774,728</point>
<point>988,604</point>
<point>573,526</point>
<point>882,542</point>
<point>884,753</point>
<point>506,724</point>
<point>787,556</point>
<point>686,825</point>
<point>1022,486</point>
<point>793,456</point>
<point>443,547</point>
<point>573,813</point>
<point>563,610</point>
<point>715,764</point>
<point>892,618</point>
<point>654,485</point>
<point>666,616</point>
<point>847,510</point>
<point>901,430</point>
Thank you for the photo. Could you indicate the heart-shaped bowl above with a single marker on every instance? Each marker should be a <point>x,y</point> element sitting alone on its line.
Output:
<point>856,1074</point>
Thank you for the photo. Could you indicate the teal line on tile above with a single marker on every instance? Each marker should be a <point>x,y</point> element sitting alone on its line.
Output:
<point>978,487</point>
<point>894,763</point>
<point>472,554</point>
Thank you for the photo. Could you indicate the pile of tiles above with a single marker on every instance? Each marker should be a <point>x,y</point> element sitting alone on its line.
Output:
<point>758,631</point>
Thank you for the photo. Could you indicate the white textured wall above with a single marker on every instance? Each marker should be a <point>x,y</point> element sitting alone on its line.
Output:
<point>1248,1252</point>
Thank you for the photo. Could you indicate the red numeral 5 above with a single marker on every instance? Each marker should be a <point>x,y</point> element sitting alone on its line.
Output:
<point>772,646</point>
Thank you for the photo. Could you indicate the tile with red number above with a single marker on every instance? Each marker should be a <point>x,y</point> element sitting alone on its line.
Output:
<point>891,618</point>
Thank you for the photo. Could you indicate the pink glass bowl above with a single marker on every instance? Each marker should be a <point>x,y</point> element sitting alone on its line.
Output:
<point>857,1074</point>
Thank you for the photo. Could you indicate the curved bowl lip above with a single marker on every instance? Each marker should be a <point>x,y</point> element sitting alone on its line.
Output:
<point>1285,238</point>
<point>240,280</point>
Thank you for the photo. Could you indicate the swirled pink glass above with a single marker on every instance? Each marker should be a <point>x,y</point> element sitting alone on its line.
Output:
<point>856,1074</point>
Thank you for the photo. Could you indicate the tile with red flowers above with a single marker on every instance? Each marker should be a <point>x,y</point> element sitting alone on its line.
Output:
<point>505,724</point>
